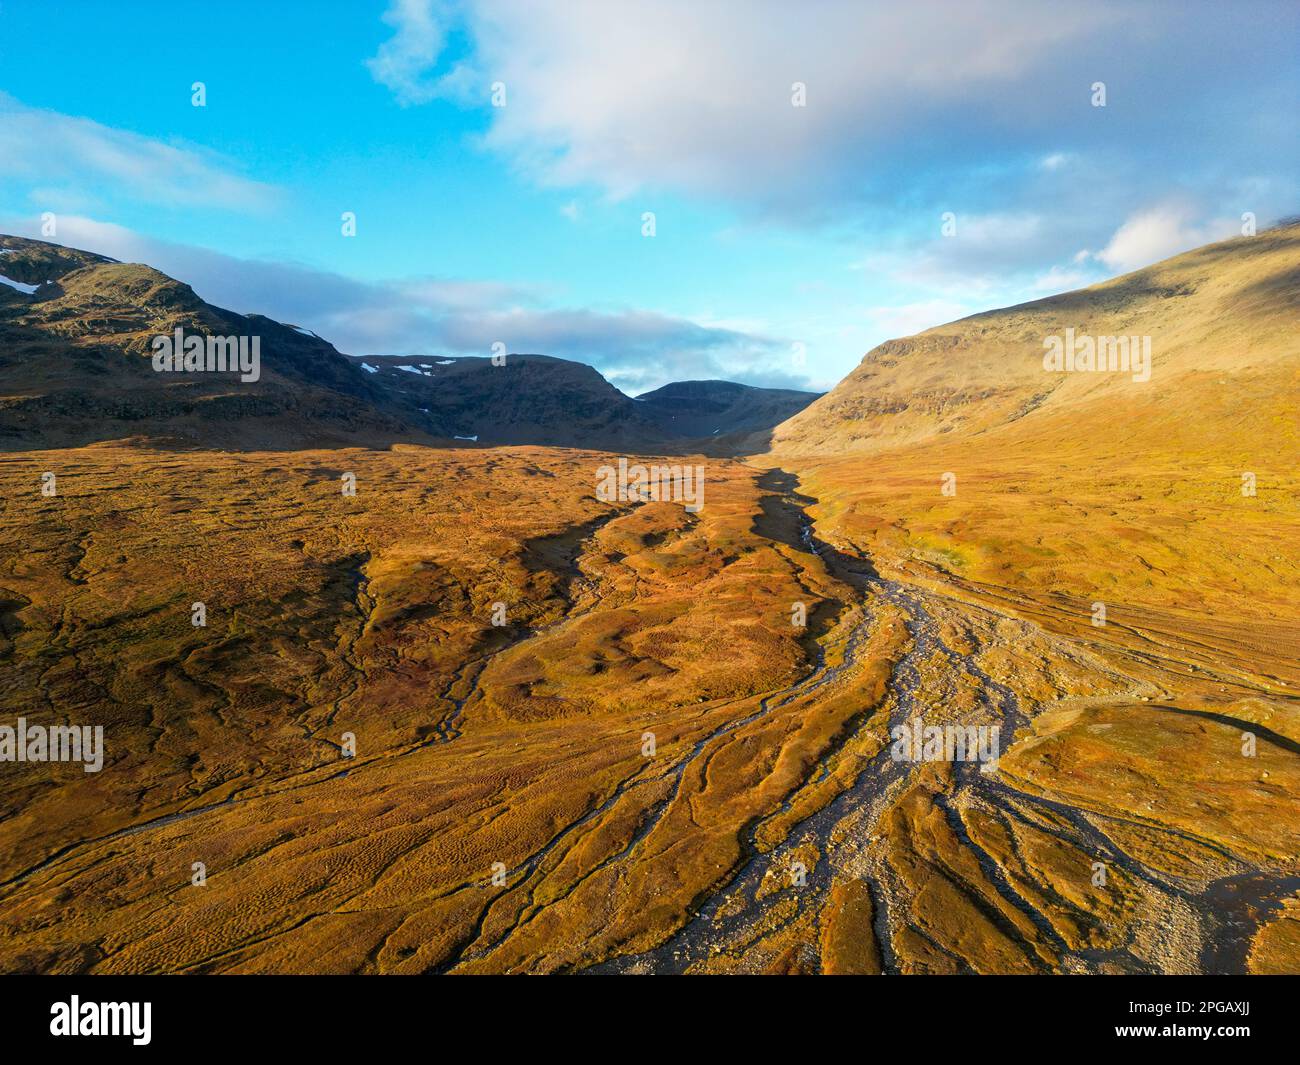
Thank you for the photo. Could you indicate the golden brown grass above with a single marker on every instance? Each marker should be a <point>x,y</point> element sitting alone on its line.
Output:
<point>647,767</point>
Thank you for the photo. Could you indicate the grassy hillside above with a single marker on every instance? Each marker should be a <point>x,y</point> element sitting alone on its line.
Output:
<point>1087,486</point>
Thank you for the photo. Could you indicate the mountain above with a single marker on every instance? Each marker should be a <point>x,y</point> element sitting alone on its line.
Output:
<point>77,333</point>
<point>76,346</point>
<point>1229,308</point>
<point>713,408</point>
<point>527,399</point>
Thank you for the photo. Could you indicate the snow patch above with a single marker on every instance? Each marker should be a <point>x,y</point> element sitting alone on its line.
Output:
<point>368,368</point>
<point>473,438</point>
<point>29,289</point>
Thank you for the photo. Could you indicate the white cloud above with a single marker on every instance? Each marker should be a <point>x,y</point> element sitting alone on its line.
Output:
<point>1159,232</point>
<point>677,93</point>
<point>984,255</point>
<point>455,295</point>
<point>1058,279</point>
<point>633,347</point>
<point>45,146</point>
<point>909,318</point>
<point>404,62</point>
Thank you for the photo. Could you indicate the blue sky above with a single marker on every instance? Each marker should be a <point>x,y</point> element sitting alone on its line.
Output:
<point>779,229</point>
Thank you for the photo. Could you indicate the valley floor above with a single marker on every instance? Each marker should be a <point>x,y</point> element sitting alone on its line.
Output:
<point>588,735</point>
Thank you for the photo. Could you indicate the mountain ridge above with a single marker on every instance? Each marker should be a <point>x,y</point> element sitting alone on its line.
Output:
<point>76,330</point>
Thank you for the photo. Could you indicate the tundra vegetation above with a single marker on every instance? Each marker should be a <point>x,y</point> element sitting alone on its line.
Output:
<point>476,716</point>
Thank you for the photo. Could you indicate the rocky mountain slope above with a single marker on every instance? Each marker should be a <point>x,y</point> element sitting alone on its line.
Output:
<point>76,363</point>
<point>76,345</point>
<point>526,399</point>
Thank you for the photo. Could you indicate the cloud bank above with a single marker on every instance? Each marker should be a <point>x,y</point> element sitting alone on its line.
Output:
<point>45,146</point>
<point>982,108</point>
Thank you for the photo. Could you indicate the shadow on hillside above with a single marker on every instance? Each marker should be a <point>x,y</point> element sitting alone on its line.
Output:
<point>67,395</point>
<point>77,418</point>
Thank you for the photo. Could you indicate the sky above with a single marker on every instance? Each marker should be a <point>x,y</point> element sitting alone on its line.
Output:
<point>822,176</point>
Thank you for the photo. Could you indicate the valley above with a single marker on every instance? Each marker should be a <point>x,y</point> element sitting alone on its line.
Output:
<point>376,700</point>
<point>520,749</point>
